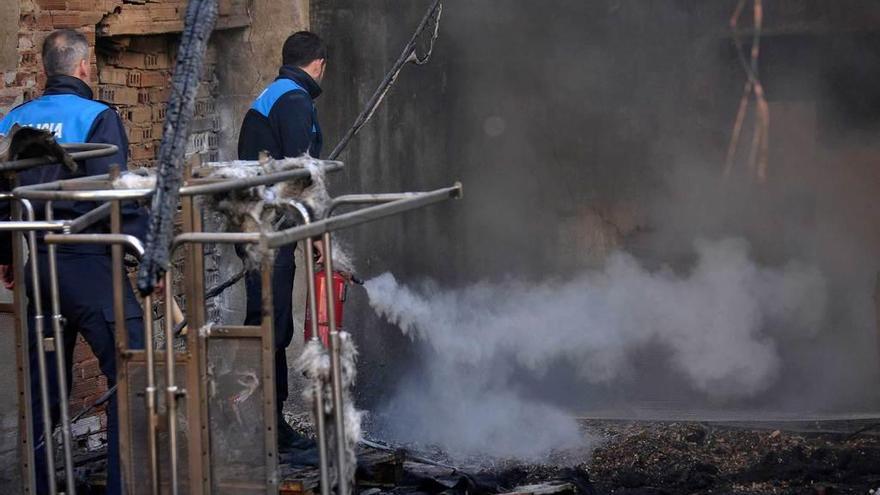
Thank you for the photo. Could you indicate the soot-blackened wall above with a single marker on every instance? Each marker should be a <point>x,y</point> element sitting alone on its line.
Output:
<point>579,128</point>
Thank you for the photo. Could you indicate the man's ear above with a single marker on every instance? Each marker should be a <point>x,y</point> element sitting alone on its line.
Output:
<point>85,70</point>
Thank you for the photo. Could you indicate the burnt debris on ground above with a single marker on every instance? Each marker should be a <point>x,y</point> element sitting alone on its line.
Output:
<point>627,458</point>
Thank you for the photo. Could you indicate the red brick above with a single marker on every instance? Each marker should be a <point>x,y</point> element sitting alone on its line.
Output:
<point>52,4</point>
<point>166,12</point>
<point>159,112</point>
<point>28,58</point>
<point>120,95</point>
<point>62,20</point>
<point>159,95</point>
<point>133,60</point>
<point>112,75</point>
<point>152,79</point>
<point>44,21</point>
<point>139,115</point>
<point>26,79</point>
<point>83,5</point>
<point>144,151</point>
<point>89,368</point>
<point>27,22</point>
<point>84,388</point>
<point>148,44</point>
<point>133,78</point>
<point>82,352</point>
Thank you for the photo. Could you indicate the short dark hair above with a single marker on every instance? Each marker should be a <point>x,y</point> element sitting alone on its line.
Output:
<point>63,50</point>
<point>303,48</point>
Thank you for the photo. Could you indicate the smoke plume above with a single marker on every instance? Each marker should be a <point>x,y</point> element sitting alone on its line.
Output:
<point>716,323</point>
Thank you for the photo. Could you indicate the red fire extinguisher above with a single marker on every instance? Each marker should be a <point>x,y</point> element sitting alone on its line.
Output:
<point>339,288</point>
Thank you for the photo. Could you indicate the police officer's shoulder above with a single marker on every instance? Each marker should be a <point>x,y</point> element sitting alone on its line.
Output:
<point>16,107</point>
<point>296,97</point>
<point>108,105</point>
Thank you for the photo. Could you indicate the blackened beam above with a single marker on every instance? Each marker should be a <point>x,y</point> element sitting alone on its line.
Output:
<point>199,21</point>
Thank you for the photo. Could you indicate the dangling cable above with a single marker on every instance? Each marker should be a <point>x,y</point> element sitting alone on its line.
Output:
<point>431,24</point>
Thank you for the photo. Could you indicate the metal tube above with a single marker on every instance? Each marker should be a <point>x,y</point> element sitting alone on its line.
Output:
<point>85,151</point>
<point>79,224</point>
<point>215,238</point>
<point>361,199</point>
<point>53,191</point>
<point>259,180</point>
<point>335,371</point>
<point>129,241</point>
<point>170,383</point>
<point>320,426</point>
<point>30,226</point>
<point>29,192</point>
<point>42,369</point>
<point>412,202</point>
<point>150,396</point>
<point>60,363</point>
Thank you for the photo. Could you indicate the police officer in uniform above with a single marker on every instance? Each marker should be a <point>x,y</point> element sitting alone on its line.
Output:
<point>67,108</point>
<point>283,121</point>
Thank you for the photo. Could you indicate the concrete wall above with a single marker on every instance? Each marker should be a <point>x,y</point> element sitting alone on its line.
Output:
<point>9,34</point>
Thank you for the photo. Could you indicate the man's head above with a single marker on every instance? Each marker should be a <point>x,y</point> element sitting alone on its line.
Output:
<point>66,53</point>
<point>307,51</point>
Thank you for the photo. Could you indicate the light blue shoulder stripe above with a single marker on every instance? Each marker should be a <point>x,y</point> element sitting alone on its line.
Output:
<point>271,94</point>
<point>69,117</point>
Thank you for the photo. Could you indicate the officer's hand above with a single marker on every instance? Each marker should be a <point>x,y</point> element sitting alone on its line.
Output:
<point>7,273</point>
<point>319,252</point>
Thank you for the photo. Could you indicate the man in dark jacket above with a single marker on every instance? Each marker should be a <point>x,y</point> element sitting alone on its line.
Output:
<point>84,272</point>
<point>283,121</point>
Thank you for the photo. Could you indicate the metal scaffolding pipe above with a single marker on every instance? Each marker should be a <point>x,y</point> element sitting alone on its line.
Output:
<point>129,241</point>
<point>171,384</point>
<point>258,180</point>
<point>410,202</point>
<point>150,396</point>
<point>30,226</point>
<point>342,480</point>
<point>77,151</point>
<point>54,293</point>
<point>320,426</point>
<point>79,224</point>
<point>42,368</point>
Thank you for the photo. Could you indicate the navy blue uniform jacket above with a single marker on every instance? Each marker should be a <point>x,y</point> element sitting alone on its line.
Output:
<point>283,120</point>
<point>67,109</point>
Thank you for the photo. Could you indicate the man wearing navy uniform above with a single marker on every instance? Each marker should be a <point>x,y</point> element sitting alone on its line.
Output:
<point>283,122</point>
<point>67,109</point>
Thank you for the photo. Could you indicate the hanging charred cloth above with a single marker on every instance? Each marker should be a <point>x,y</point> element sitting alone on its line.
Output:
<point>28,142</point>
<point>198,24</point>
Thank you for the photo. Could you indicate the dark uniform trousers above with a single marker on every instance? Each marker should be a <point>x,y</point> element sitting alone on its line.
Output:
<point>283,121</point>
<point>282,319</point>
<point>67,109</point>
<point>86,297</point>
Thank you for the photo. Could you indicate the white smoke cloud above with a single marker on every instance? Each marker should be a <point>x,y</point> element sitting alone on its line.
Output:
<point>717,324</point>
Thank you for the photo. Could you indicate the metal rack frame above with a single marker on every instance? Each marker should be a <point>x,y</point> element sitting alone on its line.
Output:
<point>193,361</point>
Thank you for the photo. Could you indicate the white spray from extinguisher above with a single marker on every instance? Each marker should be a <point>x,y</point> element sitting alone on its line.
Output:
<point>717,325</point>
